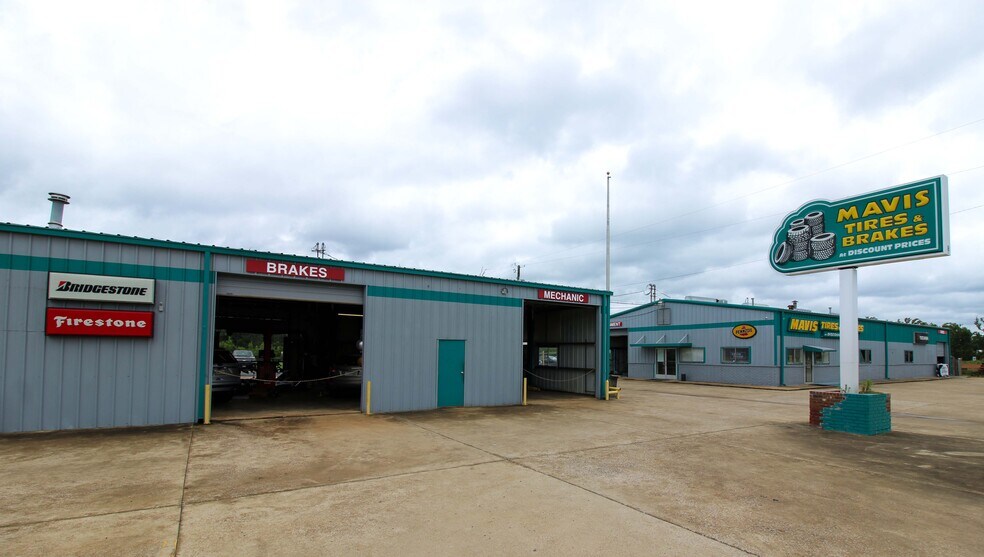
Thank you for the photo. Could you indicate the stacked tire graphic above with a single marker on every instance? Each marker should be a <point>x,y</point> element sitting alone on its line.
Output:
<point>799,239</point>
<point>822,246</point>
<point>806,239</point>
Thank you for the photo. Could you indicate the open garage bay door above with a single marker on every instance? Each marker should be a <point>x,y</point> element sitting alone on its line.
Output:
<point>286,346</point>
<point>560,347</point>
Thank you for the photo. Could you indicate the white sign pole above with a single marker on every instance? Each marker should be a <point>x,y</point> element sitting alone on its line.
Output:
<point>849,354</point>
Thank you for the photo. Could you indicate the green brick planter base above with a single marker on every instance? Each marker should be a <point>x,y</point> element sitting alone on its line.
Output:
<point>863,414</point>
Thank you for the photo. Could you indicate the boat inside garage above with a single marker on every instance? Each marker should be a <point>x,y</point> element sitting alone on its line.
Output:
<point>283,347</point>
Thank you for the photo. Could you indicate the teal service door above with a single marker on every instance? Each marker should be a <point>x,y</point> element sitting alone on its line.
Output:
<point>450,373</point>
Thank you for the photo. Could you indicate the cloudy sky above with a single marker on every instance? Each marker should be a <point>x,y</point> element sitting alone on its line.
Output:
<point>469,137</point>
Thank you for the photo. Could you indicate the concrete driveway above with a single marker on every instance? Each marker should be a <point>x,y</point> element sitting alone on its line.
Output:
<point>672,468</point>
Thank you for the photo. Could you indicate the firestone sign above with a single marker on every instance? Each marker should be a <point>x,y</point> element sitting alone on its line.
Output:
<point>560,296</point>
<point>910,221</point>
<point>297,270</point>
<point>98,322</point>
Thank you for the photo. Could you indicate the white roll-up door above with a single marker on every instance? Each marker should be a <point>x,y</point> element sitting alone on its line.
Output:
<point>288,289</point>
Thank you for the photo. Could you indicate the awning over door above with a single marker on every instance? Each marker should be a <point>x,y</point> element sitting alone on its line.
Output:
<point>647,341</point>
<point>807,348</point>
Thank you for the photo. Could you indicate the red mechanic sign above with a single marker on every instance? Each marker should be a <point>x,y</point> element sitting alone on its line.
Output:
<point>99,323</point>
<point>558,296</point>
<point>299,270</point>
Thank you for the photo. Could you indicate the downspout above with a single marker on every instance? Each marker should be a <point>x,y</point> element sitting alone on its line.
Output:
<point>782,349</point>
<point>885,344</point>
<point>204,340</point>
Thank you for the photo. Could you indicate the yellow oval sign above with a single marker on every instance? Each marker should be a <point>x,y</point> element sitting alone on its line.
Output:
<point>744,331</point>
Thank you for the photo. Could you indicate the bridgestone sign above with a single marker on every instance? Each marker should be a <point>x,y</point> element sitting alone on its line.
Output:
<point>910,221</point>
<point>99,288</point>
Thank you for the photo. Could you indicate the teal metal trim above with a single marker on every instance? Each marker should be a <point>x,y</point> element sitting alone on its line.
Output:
<point>729,325</point>
<point>204,340</point>
<point>809,348</point>
<point>663,345</point>
<point>62,265</point>
<point>606,340</point>
<point>433,296</point>
<point>781,336</point>
<point>885,343</point>
<point>905,334</point>
<point>217,250</point>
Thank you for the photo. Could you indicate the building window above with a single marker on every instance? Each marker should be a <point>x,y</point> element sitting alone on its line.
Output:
<point>908,357</point>
<point>920,338</point>
<point>821,358</point>
<point>865,356</point>
<point>547,356</point>
<point>794,356</point>
<point>663,316</point>
<point>692,355</point>
<point>736,355</point>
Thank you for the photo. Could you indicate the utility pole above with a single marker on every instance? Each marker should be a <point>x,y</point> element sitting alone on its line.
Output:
<point>608,231</point>
<point>319,249</point>
<point>519,268</point>
<point>652,292</point>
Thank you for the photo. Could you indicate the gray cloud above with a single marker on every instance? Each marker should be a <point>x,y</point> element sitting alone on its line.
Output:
<point>467,139</point>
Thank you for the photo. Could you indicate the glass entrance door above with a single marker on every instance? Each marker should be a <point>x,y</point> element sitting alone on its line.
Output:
<point>666,365</point>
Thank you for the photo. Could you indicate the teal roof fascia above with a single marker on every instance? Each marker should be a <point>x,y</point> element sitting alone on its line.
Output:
<point>62,265</point>
<point>433,296</point>
<point>664,345</point>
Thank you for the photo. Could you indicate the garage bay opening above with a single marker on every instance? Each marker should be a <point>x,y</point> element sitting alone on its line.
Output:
<point>285,356</point>
<point>560,347</point>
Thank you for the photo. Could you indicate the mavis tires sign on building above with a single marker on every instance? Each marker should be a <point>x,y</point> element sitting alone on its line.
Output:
<point>99,288</point>
<point>910,221</point>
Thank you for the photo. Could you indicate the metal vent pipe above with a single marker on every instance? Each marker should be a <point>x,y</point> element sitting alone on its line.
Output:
<point>58,202</point>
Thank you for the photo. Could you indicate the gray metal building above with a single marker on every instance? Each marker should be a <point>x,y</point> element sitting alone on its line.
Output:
<point>419,330</point>
<point>757,345</point>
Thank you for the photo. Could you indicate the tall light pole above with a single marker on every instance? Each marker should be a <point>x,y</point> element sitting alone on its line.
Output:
<point>608,231</point>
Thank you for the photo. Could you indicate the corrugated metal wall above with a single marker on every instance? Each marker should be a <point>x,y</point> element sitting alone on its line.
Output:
<point>401,351</point>
<point>57,382</point>
<point>406,314</point>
